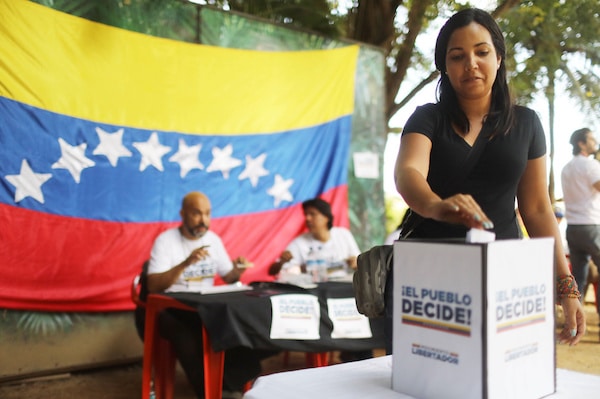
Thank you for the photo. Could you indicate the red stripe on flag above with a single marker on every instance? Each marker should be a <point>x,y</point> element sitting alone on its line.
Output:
<point>70,264</point>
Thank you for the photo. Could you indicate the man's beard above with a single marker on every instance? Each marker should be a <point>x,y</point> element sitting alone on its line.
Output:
<point>196,231</point>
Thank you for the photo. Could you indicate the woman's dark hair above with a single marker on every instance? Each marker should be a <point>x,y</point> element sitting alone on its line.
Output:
<point>501,114</point>
<point>322,206</point>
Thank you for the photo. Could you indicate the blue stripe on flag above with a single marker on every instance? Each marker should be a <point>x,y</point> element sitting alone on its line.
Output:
<point>72,167</point>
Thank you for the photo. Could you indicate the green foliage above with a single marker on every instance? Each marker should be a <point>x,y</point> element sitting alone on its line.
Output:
<point>226,29</point>
<point>169,19</point>
<point>31,324</point>
<point>395,207</point>
<point>313,15</point>
<point>178,19</point>
<point>552,39</point>
<point>44,323</point>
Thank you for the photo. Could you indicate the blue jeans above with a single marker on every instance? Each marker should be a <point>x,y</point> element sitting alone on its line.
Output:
<point>584,243</point>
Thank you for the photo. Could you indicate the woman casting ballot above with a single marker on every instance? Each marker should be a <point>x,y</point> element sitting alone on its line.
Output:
<point>474,103</point>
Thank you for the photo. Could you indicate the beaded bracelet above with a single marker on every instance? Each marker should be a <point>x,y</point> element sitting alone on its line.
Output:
<point>566,287</point>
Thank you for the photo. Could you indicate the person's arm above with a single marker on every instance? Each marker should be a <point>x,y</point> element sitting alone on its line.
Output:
<point>538,217</point>
<point>229,270</point>
<point>233,275</point>
<point>276,266</point>
<point>410,174</point>
<point>536,210</point>
<point>352,249</point>
<point>351,262</point>
<point>158,282</point>
<point>240,264</point>
<point>594,174</point>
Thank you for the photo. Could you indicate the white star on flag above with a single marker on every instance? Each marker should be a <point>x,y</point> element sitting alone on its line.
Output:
<point>223,161</point>
<point>187,157</point>
<point>28,183</point>
<point>111,145</point>
<point>280,190</point>
<point>254,169</point>
<point>152,152</point>
<point>73,159</point>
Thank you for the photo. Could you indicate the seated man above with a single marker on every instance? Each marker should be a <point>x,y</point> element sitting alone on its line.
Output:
<point>182,259</point>
<point>334,245</point>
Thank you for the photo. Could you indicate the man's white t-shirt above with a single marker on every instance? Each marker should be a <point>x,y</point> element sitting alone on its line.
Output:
<point>341,246</point>
<point>171,248</point>
<point>582,200</point>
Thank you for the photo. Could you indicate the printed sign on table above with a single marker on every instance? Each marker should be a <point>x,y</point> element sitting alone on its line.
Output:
<point>347,322</point>
<point>295,316</point>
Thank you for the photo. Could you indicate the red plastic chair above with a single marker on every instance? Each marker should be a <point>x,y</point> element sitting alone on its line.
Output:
<point>164,366</point>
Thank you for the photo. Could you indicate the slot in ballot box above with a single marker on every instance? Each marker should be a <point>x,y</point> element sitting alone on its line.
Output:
<point>474,320</point>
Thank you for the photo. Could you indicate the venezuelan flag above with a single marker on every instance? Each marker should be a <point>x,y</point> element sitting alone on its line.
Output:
<point>103,131</point>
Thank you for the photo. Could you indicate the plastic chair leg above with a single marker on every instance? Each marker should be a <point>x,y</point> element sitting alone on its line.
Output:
<point>317,359</point>
<point>213,368</point>
<point>248,386</point>
<point>164,370</point>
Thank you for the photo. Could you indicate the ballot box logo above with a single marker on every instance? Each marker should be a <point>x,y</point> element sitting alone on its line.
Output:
<point>520,307</point>
<point>434,353</point>
<point>437,309</point>
<point>521,352</point>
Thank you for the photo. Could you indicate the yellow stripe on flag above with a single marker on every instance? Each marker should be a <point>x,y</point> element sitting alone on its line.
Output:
<point>80,68</point>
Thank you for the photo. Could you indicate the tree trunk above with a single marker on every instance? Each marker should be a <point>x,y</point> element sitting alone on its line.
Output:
<point>550,95</point>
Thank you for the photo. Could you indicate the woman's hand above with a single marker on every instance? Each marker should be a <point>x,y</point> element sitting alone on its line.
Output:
<point>351,262</point>
<point>242,263</point>
<point>574,328</point>
<point>276,266</point>
<point>460,209</point>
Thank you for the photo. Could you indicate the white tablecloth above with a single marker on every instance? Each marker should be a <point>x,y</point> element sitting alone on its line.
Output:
<point>372,379</point>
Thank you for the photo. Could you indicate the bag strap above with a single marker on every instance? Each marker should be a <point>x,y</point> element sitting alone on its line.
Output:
<point>461,174</point>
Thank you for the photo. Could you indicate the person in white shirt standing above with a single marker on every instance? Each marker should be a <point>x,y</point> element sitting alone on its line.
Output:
<point>581,189</point>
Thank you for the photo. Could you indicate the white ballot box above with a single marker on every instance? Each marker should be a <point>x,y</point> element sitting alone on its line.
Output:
<point>474,320</point>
